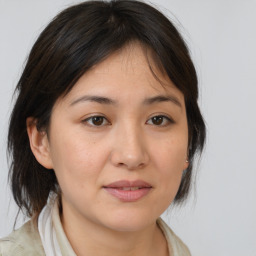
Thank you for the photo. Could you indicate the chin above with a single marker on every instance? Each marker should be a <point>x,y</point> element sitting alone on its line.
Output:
<point>125,222</point>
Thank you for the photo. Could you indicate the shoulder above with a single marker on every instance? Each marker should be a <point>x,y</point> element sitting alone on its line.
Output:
<point>175,244</point>
<point>24,241</point>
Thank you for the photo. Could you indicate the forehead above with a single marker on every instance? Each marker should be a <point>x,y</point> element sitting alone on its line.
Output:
<point>134,60</point>
<point>130,72</point>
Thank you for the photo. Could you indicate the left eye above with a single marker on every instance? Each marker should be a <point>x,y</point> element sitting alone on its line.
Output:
<point>159,120</point>
<point>96,121</point>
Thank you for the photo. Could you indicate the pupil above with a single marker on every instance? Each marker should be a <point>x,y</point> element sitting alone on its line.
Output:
<point>157,120</point>
<point>97,120</point>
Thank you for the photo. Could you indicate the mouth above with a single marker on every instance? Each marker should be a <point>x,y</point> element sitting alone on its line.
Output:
<point>128,191</point>
<point>130,188</point>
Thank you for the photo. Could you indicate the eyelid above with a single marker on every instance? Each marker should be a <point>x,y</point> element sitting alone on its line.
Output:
<point>107,122</point>
<point>87,119</point>
<point>166,117</point>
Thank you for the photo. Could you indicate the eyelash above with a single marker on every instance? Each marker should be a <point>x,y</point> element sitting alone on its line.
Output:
<point>165,119</point>
<point>89,121</point>
<point>105,122</point>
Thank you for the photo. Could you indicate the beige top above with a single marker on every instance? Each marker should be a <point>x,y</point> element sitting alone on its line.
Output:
<point>26,240</point>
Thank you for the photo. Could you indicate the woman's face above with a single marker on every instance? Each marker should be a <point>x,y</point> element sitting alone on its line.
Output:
<point>118,144</point>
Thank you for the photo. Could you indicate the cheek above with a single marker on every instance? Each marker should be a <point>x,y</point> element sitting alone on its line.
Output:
<point>171,154</point>
<point>76,161</point>
<point>170,161</point>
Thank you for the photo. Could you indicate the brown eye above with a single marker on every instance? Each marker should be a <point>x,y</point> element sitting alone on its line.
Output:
<point>160,120</point>
<point>157,120</point>
<point>96,121</point>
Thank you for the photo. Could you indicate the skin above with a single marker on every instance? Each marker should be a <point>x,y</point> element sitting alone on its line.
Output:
<point>125,143</point>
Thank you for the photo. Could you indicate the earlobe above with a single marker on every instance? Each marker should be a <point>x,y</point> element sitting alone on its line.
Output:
<point>39,143</point>
<point>186,164</point>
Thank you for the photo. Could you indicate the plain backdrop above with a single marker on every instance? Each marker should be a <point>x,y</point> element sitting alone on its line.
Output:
<point>220,216</point>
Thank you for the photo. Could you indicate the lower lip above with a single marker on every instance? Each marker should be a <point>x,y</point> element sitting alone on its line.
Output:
<point>128,195</point>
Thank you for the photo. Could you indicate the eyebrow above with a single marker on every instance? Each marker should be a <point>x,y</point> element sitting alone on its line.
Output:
<point>98,99</point>
<point>108,101</point>
<point>163,98</point>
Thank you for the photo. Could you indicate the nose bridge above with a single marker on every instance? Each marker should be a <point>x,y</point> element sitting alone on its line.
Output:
<point>129,148</point>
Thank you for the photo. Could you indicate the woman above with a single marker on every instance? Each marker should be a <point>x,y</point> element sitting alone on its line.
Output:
<point>103,134</point>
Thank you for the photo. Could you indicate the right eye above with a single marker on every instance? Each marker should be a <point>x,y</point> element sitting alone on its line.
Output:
<point>96,121</point>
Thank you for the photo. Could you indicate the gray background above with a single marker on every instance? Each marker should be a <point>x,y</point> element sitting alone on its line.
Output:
<point>219,218</point>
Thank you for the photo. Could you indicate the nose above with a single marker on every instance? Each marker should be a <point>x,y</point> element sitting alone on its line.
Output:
<point>129,149</point>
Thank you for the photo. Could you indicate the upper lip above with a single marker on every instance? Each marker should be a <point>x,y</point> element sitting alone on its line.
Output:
<point>127,183</point>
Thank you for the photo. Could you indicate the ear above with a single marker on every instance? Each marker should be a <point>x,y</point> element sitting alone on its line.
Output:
<point>186,164</point>
<point>186,161</point>
<point>39,143</point>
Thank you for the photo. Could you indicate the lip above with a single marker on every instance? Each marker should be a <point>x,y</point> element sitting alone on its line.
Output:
<point>128,191</point>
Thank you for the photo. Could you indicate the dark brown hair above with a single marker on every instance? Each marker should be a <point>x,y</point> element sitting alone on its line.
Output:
<point>75,40</point>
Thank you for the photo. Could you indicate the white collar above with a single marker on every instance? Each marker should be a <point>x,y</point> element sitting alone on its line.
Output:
<point>54,240</point>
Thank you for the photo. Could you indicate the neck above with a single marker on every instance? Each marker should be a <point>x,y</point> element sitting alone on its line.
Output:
<point>88,238</point>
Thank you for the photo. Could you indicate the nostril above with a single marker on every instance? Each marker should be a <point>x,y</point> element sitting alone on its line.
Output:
<point>129,157</point>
